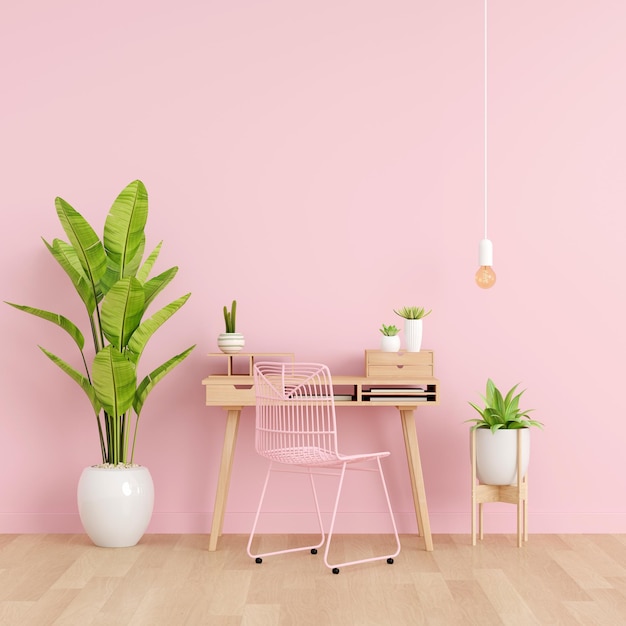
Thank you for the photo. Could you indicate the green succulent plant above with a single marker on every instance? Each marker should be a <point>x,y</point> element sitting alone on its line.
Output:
<point>389,331</point>
<point>412,312</point>
<point>501,412</point>
<point>230,317</point>
<point>112,280</point>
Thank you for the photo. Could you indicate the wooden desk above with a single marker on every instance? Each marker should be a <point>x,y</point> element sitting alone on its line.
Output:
<point>392,382</point>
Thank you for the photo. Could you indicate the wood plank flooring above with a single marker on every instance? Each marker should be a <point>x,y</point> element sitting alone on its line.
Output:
<point>173,580</point>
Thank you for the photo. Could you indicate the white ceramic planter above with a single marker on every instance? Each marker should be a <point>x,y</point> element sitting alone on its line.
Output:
<point>390,343</point>
<point>229,343</point>
<point>115,504</point>
<point>413,335</point>
<point>496,455</point>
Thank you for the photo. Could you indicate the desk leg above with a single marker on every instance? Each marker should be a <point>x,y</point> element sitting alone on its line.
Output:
<point>417,477</point>
<point>223,483</point>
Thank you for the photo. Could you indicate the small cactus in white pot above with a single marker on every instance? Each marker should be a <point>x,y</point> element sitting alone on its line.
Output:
<point>230,341</point>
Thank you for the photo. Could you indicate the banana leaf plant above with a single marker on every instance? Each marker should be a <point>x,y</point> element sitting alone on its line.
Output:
<point>112,280</point>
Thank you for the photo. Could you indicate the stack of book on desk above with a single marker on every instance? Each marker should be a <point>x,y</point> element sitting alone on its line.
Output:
<point>392,394</point>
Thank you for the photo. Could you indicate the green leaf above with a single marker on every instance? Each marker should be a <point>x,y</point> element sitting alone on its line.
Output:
<point>124,226</point>
<point>68,259</point>
<point>122,310</point>
<point>140,337</point>
<point>146,268</point>
<point>85,242</point>
<point>114,272</point>
<point>412,312</point>
<point>59,320</point>
<point>148,383</point>
<point>114,380</point>
<point>502,412</point>
<point>82,381</point>
<point>155,285</point>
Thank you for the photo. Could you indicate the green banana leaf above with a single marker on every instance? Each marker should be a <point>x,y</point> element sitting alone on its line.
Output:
<point>114,271</point>
<point>125,223</point>
<point>146,329</point>
<point>114,380</point>
<point>146,268</point>
<point>122,310</point>
<point>84,240</point>
<point>82,381</point>
<point>155,285</point>
<point>68,259</point>
<point>59,320</point>
<point>148,383</point>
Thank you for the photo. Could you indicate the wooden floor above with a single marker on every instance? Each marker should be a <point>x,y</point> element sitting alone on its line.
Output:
<point>173,580</point>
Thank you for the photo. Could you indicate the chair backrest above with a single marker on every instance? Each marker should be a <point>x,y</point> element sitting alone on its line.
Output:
<point>295,413</point>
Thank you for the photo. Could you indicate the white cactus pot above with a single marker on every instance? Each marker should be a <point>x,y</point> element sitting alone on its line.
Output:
<point>230,343</point>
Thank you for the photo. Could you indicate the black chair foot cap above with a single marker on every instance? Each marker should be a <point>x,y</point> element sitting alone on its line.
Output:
<point>313,550</point>
<point>258,560</point>
<point>335,570</point>
<point>390,561</point>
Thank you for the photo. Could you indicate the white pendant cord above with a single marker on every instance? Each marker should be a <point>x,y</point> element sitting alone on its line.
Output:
<point>485,120</point>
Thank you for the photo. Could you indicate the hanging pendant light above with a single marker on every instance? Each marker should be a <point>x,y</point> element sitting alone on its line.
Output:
<point>485,276</point>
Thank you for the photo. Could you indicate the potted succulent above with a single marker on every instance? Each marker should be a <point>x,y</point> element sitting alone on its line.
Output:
<point>112,279</point>
<point>390,341</point>
<point>230,341</point>
<point>496,435</point>
<point>413,316</point>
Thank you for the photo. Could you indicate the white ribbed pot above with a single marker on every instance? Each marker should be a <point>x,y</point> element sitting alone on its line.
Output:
<point>230,343</point>
<point>390,343</point>
<point>115,504</point>
<point>496,455</point>
<point>413,335</point>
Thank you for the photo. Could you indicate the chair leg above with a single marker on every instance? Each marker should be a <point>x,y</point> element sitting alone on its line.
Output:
<point>335,566</point>
<point>313,548</point>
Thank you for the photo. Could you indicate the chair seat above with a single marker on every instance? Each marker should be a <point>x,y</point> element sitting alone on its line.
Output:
<point>311,455</point>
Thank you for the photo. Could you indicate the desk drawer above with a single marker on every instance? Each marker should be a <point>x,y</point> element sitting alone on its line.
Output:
<point>222,394</point>
<point>395,364</point>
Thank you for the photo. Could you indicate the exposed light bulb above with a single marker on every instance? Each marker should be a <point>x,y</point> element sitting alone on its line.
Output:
<point>485,276</point>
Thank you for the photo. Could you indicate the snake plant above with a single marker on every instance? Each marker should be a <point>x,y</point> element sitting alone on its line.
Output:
<point>112,280</point>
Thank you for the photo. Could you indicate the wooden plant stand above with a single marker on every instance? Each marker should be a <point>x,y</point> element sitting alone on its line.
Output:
<point>512,494</point>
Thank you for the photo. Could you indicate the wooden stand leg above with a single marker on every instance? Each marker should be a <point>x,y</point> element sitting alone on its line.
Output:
<point>417,477</point>
<point>520,500</point>
<point>474,495</point>
<point>223,483</point>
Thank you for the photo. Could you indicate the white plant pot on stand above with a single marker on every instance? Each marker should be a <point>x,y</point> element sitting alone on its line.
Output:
<point>496,455</point>
<point>115,504</point>
<point>499,474</point>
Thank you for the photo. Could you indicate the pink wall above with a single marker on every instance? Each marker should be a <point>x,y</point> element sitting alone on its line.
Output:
<point>339,140</point>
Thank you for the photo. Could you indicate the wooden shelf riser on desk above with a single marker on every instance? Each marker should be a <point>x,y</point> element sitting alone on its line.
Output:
<point>395,364</point>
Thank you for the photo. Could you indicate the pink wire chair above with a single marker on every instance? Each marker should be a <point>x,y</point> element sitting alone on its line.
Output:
<point>296,430</point>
